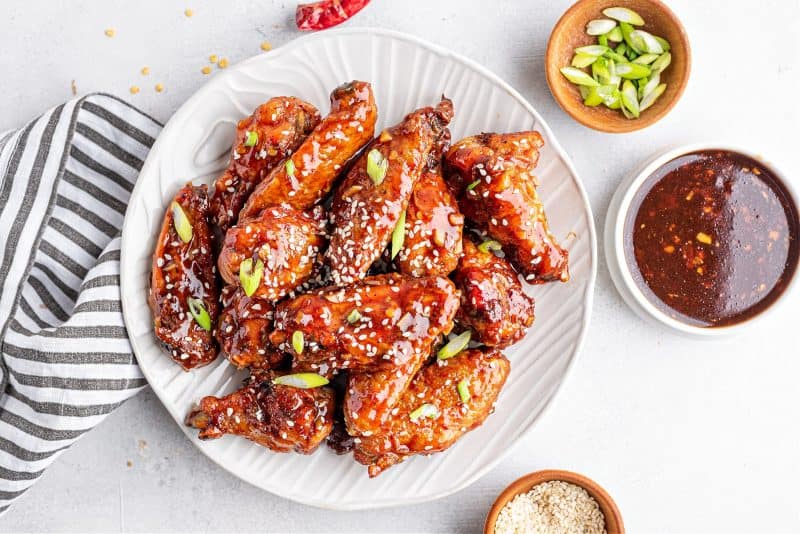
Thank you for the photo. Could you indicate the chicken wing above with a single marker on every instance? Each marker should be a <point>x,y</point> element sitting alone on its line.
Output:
<point>444,401</point>
<point>307,176</point>
<point>366,209</point>
<point>493,303</point>
<point>379,323</point>
<point>183,284</point>
<point>282,242</point>
<point>243,330</point>
<point>492,175</point>
<point>263,140</point>
<point>281,418</point>
<point>434,226</point>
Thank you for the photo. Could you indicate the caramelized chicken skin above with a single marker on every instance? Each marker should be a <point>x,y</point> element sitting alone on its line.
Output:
<point>243,330</point>
<point>183,271</point>
<point>434,226</point>
<point>263,140</point>
<point>493,303</point>
<point>281,418</point>
<point>379,323</point>
<point>307,176</point>
<point>411,429</point>
<point>365,210</point>
<point>286,241</point>
<point>492,175</point>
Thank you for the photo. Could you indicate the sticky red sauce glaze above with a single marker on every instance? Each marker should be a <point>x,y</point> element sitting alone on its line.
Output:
<point>711,238</point>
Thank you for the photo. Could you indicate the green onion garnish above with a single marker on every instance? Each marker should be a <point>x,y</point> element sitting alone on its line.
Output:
<point>198,310</point>
<point>181,223</point>
<point>290,168</point>
<point>661,63</point>
<point>250,275</point>
<point>600,26</point>
<point>301,380</point>
<point>623,14</point>
<point>454,346</point>
<point>426,410</point>
<point>614,35</point>
<point>490,244</point>
<point>353,317</point>
<point>298,341</point>
<point>651,97</point>
<point>577,76</point>
<point>463,390</point>
<point>632,71</point>
<point>399,234</point>
<point>252,138</point>
<point>628,96</point>
<point>377,166</point>
<point>473,185</point>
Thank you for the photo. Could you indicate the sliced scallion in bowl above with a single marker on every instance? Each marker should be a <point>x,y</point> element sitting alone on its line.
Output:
<point>623,69</point>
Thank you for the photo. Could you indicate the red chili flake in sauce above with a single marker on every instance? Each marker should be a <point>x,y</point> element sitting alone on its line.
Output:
<point>327,13</point>
<point>711,238</point>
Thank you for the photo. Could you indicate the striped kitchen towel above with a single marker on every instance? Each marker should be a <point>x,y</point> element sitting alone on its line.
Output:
<point>65,360</point>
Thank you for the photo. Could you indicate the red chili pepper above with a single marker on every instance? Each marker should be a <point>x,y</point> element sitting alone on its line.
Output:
<point>327,13</point>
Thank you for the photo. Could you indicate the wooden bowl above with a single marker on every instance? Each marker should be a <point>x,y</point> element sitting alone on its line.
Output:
<point>570,33</point>
<point>522,485</point>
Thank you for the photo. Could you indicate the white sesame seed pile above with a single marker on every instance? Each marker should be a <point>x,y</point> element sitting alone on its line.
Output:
<point>554,507</point>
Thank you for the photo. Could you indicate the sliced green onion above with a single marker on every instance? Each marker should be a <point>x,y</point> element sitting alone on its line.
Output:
<point>301,380</point>
<point>473,185</point>
<point>592,50</point>
<point>490,244</point>
<point>377,166</point>
<point>615,35</point>
<point>463,390</point>
<point>609,94</point>
<point>181,222</point>
<point>250,275</point>
<point>645,59</point>
<point>631,54</point>
<point>600,26</point>
<point>632,71</point>
<point>621,48</point>
<point>628,114</point>
<point>602,40</point>
<point>628,96</point>
<point>651,97</point>
<point>454,346</point>
<point>290,168</point>
<point>664,43</point>
<point>623,14</point>
<point>615,57</point>
<point>298,341</point>
<point>600,70</point>
<point>661,63</point>
<point>590,96</point>
<point>198,310</point>
<point>627,29</point>
<point>579,77</point>
<point>252,138</point>
<point>353,317</point>
<point>426,410</point>
<point>647,42</point>
<point>647,88</point>
<point>583,60</point>
<point>399,235</point>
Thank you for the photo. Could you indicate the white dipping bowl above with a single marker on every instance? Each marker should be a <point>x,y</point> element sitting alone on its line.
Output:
<point>621,271</point>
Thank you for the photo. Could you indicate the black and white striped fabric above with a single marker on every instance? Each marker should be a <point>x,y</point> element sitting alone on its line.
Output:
<point>65,363</point>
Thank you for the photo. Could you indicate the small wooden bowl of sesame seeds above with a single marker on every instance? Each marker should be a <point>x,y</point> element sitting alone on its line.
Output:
<point>554,501</point>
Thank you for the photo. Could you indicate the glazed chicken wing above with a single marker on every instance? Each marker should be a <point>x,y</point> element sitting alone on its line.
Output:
<point>279,417</point>
<point>243,331</point>
<point>493,303</point>
<point>282,247</point>
<point>434,226</point>
<point>492,175</point>
<point>366,208</point>
<point>379,323</point>
<point>307,176</point>
<point>264,139</point>
<point>183,284</point>
<point>433,414</point>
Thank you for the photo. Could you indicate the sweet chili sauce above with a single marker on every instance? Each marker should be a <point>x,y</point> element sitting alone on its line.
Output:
<point>711,238</point>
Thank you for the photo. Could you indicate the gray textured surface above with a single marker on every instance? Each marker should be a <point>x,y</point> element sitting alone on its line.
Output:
<point>686,435</point>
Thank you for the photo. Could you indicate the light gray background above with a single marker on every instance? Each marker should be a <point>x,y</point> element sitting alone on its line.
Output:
<point>688,436</point>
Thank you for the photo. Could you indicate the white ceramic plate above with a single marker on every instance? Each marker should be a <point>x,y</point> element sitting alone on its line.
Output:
<point>405,73</point>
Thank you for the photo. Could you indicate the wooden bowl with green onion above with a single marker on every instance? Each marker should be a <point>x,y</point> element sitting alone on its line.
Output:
<point>570,33</point>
